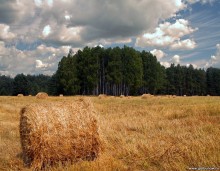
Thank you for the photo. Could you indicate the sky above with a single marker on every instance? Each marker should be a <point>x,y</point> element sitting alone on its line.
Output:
<point>36,34</point>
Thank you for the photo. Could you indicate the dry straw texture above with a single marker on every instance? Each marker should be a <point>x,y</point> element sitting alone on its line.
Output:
<point>58,132</point>
<point>42,95</point>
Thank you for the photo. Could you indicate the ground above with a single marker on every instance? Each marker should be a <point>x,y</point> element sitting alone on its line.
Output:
<point>156,133</point>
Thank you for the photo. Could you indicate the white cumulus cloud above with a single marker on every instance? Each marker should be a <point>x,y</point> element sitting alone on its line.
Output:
<point>158,53</point>
<point>176,59</point>
<point>194,65</point>
<point>169,35</point>
<point>82,22</point>
<point>46,31</point>
<point>165,64</point>
<point>214,60</point>
<point>40,64</point>
<point>184,44</point>
<point>5,33</point>
<point>201,1</point>
<point>43,59</point>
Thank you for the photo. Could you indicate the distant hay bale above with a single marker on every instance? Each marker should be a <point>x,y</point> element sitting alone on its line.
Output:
<point>122,96</point>
<point>61,95</point>
<point>145,96</point>
<point>42,95</point>
<point>20,95</point>
<point>30,95</point>
<point>101,96</point>
<point>58,132</point>
<point>184,95</point>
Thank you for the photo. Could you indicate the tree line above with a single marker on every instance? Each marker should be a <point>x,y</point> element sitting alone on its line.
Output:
<point>115,71</point>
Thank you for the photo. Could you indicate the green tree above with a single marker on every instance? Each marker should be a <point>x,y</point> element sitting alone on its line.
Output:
<point>67,80</point>
<point>20,85</point>
<point>53,86</point>
<point>132,70</point>
<point>114,71</point>
<point>154,76</point>
<point>6,85</point>
<point>213,81</point>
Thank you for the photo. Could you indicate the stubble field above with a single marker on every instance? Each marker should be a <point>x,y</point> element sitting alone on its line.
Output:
<point>156,133</point>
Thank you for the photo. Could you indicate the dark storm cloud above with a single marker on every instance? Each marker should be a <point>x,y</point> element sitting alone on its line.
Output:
<point>8,11</point>
<point>107,19</point>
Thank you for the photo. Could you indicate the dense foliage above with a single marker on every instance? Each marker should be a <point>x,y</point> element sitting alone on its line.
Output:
<point>115,71</point>
<point>24,84</point>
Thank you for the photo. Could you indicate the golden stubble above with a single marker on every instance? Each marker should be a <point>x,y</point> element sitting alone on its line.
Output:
<point>154,133</point>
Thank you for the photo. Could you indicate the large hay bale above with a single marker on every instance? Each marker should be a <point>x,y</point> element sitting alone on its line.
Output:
<point>58,132</point>
<point>20,95</point>
<point>42,95</point>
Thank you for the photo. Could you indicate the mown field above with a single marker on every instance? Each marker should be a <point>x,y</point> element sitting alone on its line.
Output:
<point>157,133</point>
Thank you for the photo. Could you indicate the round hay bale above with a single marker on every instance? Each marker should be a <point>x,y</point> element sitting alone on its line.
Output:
<point>20,95</point>
<point>122,96</point>
<point>42,95</point>
<point>58,132</point>
<point>101,96</point>
<point>61,95</point>
<point>145,96</point>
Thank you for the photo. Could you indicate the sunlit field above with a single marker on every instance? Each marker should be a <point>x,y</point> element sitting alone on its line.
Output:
<point>156,133</point>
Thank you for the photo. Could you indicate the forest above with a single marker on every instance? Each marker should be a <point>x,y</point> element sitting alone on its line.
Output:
<point>115,71</point>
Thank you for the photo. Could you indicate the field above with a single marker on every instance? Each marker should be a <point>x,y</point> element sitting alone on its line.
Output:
<point>156,133</point>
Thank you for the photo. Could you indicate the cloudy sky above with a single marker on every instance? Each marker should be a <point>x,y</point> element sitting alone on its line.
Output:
<point>35,34</point>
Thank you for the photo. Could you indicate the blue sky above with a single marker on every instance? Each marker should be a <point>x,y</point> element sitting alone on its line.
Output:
<point>35,34</point>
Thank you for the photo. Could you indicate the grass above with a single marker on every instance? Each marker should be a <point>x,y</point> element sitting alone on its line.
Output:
<point>157,133</point>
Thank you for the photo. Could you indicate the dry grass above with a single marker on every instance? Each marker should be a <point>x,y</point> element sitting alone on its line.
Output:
<point>158,134</point>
